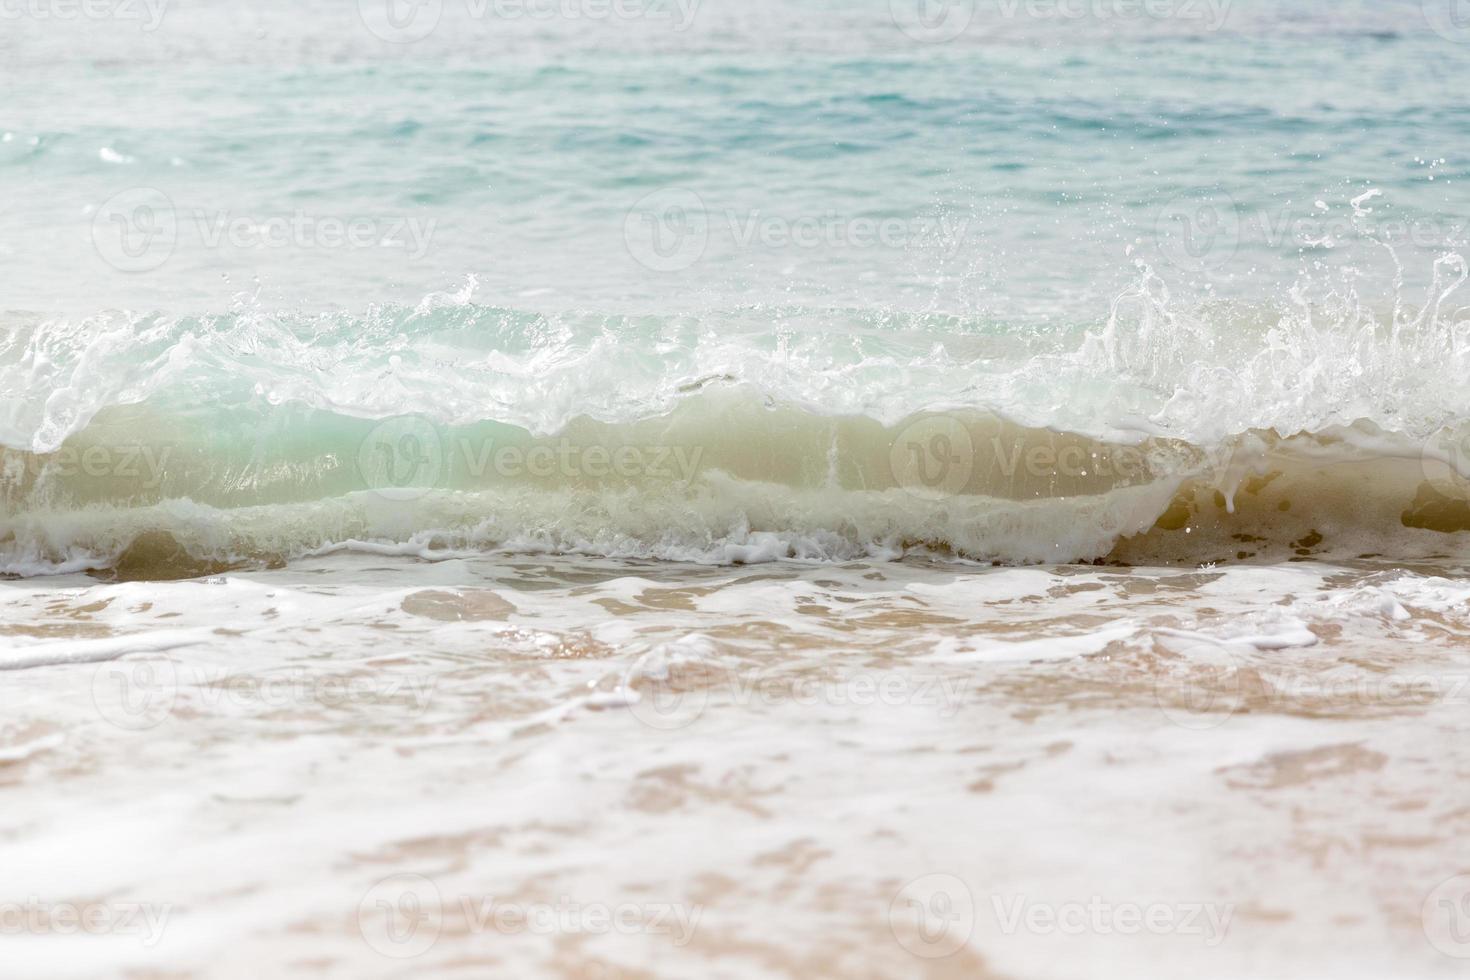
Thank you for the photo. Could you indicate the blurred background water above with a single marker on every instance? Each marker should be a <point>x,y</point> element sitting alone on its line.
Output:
<point>981,157</point>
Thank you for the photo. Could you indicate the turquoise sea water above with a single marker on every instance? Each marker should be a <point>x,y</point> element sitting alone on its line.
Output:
<point>252,234</point>
<point>1050,142</point>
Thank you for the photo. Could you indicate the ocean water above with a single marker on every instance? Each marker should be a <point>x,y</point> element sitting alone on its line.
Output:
<point>822,254</point>
<point>959,459</point>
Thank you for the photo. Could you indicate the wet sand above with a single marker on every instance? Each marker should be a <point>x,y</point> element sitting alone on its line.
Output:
<point>368,767</point>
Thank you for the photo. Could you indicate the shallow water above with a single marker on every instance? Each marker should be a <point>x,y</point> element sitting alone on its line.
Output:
<point>734,490</point>
<point>738,761</point>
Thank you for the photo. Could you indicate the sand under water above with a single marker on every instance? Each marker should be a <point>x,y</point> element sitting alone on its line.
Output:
<point>363,765</point>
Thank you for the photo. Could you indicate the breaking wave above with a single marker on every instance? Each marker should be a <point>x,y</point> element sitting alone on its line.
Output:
<point>156,445</point>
